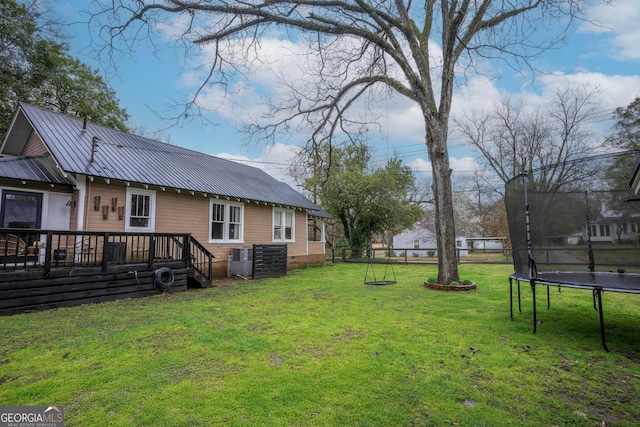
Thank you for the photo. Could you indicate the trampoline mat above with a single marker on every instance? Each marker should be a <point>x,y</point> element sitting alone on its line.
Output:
<point>616,282</point>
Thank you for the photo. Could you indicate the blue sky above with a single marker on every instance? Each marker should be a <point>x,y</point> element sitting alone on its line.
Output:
<point>607,56</point>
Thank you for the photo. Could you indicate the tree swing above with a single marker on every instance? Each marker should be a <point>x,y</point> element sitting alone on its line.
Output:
<point>370,251</point>
<point>370,266</point>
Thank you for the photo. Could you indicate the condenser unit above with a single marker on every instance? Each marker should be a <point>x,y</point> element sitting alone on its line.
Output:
<point>240,262</point>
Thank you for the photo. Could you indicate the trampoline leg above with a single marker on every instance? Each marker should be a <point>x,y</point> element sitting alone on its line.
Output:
<point>597,293</point>
<point>535,317</point>
<point>519,306</point>
<point>548,298</point>
<point>511,297</point>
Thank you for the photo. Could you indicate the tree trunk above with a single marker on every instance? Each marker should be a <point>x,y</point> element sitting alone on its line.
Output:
<point>443,195</point>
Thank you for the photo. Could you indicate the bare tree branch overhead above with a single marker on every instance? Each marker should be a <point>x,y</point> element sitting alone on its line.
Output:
<point>420,50</point>
<point>513,138</point>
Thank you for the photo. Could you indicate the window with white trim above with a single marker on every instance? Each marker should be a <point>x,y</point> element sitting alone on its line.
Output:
<point>226,223</point>
<point>283,225</point>
<point>141,210</point>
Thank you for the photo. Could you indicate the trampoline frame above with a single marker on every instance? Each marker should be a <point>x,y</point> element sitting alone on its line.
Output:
<point>597,291</point>
<point>533,277</point>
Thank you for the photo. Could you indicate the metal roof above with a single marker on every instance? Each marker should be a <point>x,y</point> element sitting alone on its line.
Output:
<point>38,169</point>
<point>136,159</point>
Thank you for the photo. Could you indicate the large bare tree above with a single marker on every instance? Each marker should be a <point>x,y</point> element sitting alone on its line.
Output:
<point>514,138</point>
<point>416,49</point>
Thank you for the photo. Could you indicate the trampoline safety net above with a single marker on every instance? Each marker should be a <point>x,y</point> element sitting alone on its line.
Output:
<point>580,215</point>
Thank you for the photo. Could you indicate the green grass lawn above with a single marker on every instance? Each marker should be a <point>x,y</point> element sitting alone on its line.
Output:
<point>318,347</point>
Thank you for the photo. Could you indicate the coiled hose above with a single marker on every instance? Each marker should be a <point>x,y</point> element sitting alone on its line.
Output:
<point>164,279</point>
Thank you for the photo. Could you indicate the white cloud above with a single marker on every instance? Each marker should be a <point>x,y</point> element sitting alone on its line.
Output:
<point>619,22</point>
<point>274,160</point>
<point>616,90</point>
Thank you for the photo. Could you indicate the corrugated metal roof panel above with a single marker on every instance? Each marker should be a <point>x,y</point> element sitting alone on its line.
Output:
<point>38,169</point>
<point>131,158</point>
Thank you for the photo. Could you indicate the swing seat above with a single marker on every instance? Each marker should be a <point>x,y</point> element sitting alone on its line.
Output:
<point>381,282</point>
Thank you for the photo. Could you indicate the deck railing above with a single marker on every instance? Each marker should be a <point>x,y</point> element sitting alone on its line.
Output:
<point>201,261</point>
<point>22,249</point>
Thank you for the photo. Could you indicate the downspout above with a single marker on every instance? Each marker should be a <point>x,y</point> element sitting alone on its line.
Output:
<point>306,212</point>
<point>81,185</point>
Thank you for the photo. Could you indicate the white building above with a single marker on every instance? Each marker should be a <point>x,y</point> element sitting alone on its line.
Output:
<point>421,242</point>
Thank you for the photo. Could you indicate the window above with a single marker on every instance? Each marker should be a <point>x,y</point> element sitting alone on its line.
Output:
<point>226,222</point>
<point>416,244</point>
<point>140,211</point>
<point>283,225</point>
<point>217,221</point>
<point>315,228</point>
<point>21,209</point>
<point>605,230</point>
<point>141,206</point>
<point>235,222</point>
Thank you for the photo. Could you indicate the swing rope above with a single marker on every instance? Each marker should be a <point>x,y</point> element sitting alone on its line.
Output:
<point>384,280</point>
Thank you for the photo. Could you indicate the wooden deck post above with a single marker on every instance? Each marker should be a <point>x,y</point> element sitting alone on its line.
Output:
<point>152,250</point>
<point>47,255</point>
<point>186,249</point>
<point>105,240</point>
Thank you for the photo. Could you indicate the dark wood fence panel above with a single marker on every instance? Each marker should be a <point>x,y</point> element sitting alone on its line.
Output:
<point>269,261</point>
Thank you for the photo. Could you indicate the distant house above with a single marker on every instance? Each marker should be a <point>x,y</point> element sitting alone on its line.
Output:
<point>486,243</point>
<point>60,173</point>
<point>612,227</point>
<point>421,242</point>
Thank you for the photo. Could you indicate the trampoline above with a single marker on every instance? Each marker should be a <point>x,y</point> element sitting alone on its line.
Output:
<point>580,231</point>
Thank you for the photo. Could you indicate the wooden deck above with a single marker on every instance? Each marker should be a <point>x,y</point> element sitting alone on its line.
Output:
<point>72,268</point>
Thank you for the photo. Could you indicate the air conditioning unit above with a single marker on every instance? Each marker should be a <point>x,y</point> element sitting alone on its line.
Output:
<point>242,254</point>
<point>240,263</point>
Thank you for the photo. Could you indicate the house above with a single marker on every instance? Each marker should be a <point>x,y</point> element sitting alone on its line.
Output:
<point>486,243</point>
<point>421,242</point>
<point>61,173</point>
<point>612,227</point>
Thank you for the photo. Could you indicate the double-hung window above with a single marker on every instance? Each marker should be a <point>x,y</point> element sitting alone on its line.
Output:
<point>283,225</point>
<point>226,222</point>
<point>141,206</point>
